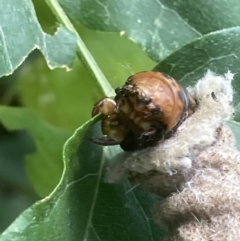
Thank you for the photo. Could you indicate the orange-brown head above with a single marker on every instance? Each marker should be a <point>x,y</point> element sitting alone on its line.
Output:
<point>147,109</point>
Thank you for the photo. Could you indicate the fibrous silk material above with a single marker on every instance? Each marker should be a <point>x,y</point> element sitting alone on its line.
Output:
<point>197,170</point>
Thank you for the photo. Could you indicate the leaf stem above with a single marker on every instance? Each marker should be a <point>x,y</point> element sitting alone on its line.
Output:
<point>82,52</point>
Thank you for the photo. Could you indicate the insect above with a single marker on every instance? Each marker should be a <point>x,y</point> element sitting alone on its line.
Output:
<point>147,109</point>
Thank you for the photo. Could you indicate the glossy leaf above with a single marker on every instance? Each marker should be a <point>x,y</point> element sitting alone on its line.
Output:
<point>148,23</point>
<point>83,206</point>
<point>160,27</point>
<point>20,34</point>
<point>218,51</point>
<point>65,99</point>
<point>207,16</point>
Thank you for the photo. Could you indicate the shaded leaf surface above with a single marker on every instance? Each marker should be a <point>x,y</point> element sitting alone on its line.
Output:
<point>45,166</point>
<point>207,16</point>
<point>159,26</point>
<point>235,127</point>
<point>16,193</point>
<point>83,207</point>
<point>12,162</point>
<point>218,51</point>
<point>65,99</point>
<point>117,63</point>
<point>20,33</point>
<point>148,23</point>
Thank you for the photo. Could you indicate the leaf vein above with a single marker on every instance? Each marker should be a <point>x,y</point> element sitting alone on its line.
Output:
<point>5,50</point>
<point>89,221</point>
<point>180,17</point>
<point>96,234</point>
<point>144,215</point>
<point>206,63</point>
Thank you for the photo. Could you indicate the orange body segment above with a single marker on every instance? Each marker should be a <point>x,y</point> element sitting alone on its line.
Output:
<point>147,109</point>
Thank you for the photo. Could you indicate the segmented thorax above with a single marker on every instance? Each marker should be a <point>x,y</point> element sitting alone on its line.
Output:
<point>147,109</point>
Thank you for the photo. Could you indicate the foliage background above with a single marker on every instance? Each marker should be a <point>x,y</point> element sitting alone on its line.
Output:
<point>42,106</point>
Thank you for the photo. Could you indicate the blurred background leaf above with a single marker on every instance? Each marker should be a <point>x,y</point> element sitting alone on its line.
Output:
<point>98,211</point>
<point>16,193</point>
<point>45,91</point>
<point>83,206</point>
<point>182,38</point>
<point>46,161</point>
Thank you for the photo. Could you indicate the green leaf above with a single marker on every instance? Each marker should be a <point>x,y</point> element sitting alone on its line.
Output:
<point>83,206</point>
<point>12,162</point>
<point>218,51</point>
<point>20,34</point>
<point>207,16</point>
<point>65,99</point>
<point>61,98</point>
<point>235,127</point>
<point>148,23</point>
<point>44,167</point>
<point>16,193</point>
<point>116,64</point>
<point>12,203</point>
<point>159,27</point>
<point>45,16</point>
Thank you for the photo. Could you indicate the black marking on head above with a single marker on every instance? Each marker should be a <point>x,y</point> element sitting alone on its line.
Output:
<point>130,142</point>
<point>148,135</point>
<point>129,80</point>
<point>144,101</point>
<point>160,126</point>
<point>133,92</point>
<point>214,96</point>
<point>104,141</point>
<point>118,90</point>
<point>124,91</point>
<point>160,132</point>
<point>119,93</point>
<point>152,136</point>
<point>145,139</point>
<point>157,111</point>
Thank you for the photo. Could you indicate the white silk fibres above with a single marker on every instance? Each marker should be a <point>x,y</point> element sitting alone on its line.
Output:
<point>214,95</point>
<point>197,171</point>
